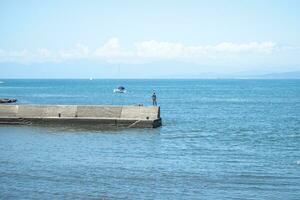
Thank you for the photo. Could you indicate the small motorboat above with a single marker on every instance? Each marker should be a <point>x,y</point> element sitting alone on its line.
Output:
<point>8,100</point>
<point>120,89</point>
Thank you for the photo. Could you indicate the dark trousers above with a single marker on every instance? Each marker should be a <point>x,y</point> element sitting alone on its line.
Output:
<point>154,103</point>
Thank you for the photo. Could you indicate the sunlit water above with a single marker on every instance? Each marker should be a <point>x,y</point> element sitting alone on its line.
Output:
<point>221,139</point>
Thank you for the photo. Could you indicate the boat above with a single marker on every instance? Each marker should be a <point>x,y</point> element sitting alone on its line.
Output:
<point>120,89</point>
<point>8,100</point>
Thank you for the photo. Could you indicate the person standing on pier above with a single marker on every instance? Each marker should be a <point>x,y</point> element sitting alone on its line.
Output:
<point>154,102</point>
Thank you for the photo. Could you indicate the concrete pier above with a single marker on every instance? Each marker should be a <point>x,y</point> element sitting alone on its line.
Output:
<point>88,115</point>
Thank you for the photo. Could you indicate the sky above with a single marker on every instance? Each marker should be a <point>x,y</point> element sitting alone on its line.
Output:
<point>148,39</point>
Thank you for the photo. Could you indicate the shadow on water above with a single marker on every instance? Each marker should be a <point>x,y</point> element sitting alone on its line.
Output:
<point>82,128</point>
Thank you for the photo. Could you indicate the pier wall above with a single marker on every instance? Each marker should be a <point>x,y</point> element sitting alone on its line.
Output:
<point>142,116</point>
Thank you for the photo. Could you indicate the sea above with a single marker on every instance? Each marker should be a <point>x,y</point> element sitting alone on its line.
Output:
<point>220,139</point>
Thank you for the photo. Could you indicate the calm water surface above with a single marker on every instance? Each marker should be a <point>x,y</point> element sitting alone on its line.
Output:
<point>221,139</point>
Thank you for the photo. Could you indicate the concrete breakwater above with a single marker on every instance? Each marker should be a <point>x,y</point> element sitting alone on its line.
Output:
<point>88,115</point>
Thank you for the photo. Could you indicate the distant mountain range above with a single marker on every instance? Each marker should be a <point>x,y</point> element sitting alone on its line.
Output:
<point>103,70</point>
<point>246,75</point>
<point>283,75</point>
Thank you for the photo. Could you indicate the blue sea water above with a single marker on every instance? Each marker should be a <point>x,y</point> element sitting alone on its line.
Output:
<point>220,139</point>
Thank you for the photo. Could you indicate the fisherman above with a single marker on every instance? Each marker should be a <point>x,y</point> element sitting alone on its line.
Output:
<point>154,99</point>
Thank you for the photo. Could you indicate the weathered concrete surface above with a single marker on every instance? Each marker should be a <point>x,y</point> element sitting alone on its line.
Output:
<point>140,112</point>
<point>31,111</point>
<point>99,111</point>
<point>91,115</point>
<point>63,111</point>
<point>8,111</point>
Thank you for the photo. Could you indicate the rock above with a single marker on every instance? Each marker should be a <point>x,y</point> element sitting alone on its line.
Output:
<point>5,100</point>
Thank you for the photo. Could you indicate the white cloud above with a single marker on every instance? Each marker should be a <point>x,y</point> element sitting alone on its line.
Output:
<point>144,51</point>
<point>253,47</point>
<point>79,52</point>
<point>111,49</point>
<point>176,50</point>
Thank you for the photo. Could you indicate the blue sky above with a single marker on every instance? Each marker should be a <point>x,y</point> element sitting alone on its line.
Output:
<point>148,39</point>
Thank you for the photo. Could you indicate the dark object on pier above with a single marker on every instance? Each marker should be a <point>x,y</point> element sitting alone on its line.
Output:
<point>8,100</point>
